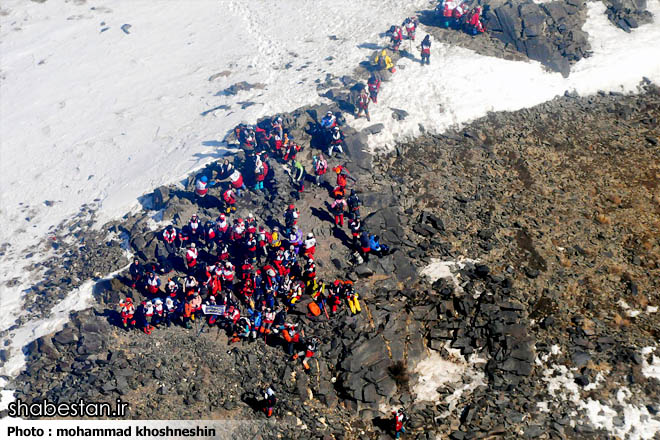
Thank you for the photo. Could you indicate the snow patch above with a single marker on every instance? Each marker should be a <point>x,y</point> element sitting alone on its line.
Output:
<point>652,369</point>
<point>630,421</point>
<point>446,269</point>
<point>436,371</point>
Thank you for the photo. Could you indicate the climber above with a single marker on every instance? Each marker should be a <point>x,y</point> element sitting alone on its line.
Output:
<point>426,49</point>
<point>363,105</point>
<point>374,87</point>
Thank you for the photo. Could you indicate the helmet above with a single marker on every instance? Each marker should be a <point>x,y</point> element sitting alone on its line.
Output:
<point>148,303</point>
<point>329,113</point>
<point>193,245</point>
<point>158,301</point>
<point>275,228</point>
<point>292,206</point>
<point>171,283</point>
<point>204,179</point>
<point>222,217</point>
<point>240,220</point>
<point>250,215</point>
<point>169,302</point>
<point>335,128</point>
<point>169,228</point>
<point>310,235</point>
<point>212,298</point>
<point>129,300</point>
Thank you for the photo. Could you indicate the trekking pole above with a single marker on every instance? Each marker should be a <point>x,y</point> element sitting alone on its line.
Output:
<point>201,329</point>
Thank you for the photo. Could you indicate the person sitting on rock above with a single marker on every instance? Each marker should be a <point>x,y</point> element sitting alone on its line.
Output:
<point>376,247</point>
<point>473,25</point>
<point>334,296</point>
<point>202,186</point>
<point>329,121</point>
<point>365,245</point>
<point>236,179</point>
<point>292,335</point>
<point>241,330</point>
<point>172,288</point>
<point>352,297</point>
<point>229,196</point>
<point>191,286</point>
<point>127,311</point>
<point>384,62</point>
<point>458,16</point>
<point>153,284</point>
<point>310,349</point>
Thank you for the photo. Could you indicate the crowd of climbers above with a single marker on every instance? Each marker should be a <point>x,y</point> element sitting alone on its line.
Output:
<point>244,277</point>
<point>456,15</point>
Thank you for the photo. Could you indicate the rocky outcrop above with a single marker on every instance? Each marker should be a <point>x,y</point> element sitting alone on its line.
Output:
<point>628,14</point>
<point>550,32</point>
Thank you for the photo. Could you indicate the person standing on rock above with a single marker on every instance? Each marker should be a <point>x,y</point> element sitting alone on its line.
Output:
<point>397,37</point>
<point>353,203</point>
<point>320,167</point>
<point>290,218</point>
<point>355,225</point>
<point>374,87</point>
<point>136,270</point>
<point>310,245</point>
<point>363,105</point>
<point>171,240</point>
<point>399,419</point>
<point>269,402</point>
<point>191,257</point>
<point>410,24</point>
<point>426,50</point>
<point>336,142</point>
<point>298,176</point>
<point>338,207</point>
<point>261,173</point>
